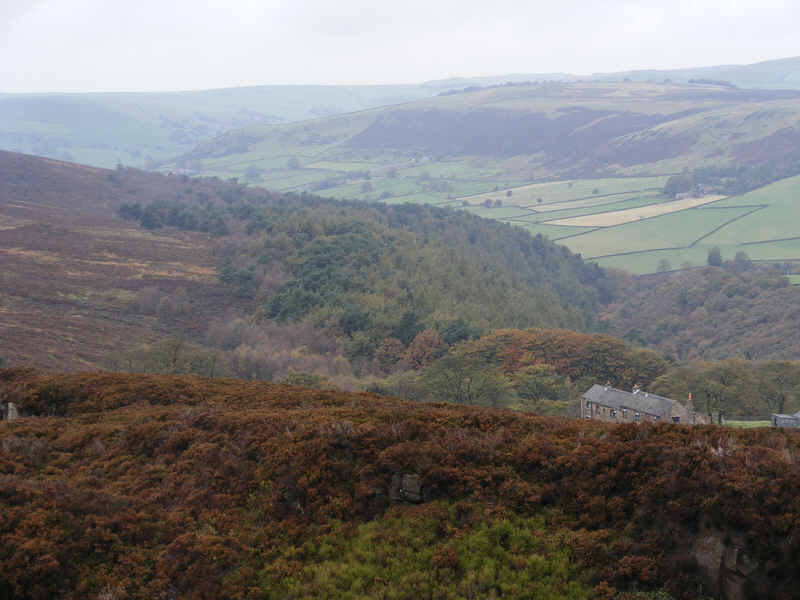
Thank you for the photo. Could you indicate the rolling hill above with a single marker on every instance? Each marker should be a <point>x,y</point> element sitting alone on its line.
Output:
<point>140,129</point>
<point>458,145</point>
<point>132,270</point>
<point>782,73</point>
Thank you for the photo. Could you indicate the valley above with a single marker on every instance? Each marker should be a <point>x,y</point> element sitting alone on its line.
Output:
<point>582,163</point>
<point>371,341</point>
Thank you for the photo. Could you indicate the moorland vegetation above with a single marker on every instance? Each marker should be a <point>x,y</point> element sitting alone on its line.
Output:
<point>142,486</point>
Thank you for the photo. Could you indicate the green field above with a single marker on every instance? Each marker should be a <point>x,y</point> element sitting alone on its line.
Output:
<point>761,223</point>
<point>747,424</point>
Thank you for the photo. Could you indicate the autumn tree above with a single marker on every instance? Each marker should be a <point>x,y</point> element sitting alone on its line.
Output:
<point>424,349</point>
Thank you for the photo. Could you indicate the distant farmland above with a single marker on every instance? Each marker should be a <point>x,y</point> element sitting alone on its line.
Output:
<point>761,223</point>
<point>582,163</point>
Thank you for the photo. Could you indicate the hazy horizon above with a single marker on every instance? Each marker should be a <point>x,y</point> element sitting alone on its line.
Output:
<point>93,46</point>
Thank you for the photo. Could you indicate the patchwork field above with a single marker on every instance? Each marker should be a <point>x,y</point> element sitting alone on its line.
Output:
<point>631,215</point>
<point>761,223</point>
<point>627,223</point>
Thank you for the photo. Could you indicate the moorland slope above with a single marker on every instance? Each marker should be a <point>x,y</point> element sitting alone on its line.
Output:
<point>126,486</point>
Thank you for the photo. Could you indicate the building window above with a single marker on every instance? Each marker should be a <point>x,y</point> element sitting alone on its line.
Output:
<point>613,413</point>
<point>676,419</point>
<point>637,416</point>
<point>624,413</point>
<point>588,404</point>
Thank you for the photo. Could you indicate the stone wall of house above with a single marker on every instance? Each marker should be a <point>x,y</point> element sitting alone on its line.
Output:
<point>598,412</point>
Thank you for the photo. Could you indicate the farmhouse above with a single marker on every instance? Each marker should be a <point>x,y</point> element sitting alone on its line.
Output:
<point>792,421</point>
<point>606,403</point>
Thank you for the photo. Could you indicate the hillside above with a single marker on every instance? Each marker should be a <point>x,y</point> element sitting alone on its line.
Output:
<point>582,163</point>
<point>214,277</point>
<point>460,144</point>
<point>79,283</point>
<point>738,310</point>
<point>783,73</point>
<point>145,486</point>
<point>139,129</point>
<point>142,129</point>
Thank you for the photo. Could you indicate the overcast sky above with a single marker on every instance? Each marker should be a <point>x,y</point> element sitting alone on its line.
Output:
<point>138,45</point>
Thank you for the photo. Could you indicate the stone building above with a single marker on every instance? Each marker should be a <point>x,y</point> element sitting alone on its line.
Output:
<point>779,420</point>
<point>605,403</point>
<point>8,411</point>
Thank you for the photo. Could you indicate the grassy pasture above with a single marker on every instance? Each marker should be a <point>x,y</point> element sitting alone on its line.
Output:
<point>675,230</point>
<point>761,223</point>
<point>614,203</point>
<point>747,424</point>
<point>564,191</point>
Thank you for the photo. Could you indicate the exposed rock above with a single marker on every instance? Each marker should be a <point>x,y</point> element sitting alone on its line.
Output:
<point>708,550</point>
<point>406,487</point>
<point>724,564</point>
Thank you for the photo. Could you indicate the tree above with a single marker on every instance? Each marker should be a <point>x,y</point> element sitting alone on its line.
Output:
<point>457,331</point>
<point>741,261</point>
<point>388,353</point>
<point>542,389</point>
<point>407,328</point>
<point>715,257</point>
<point>466,380</point>
<point>424,348</point>
<point>679,184</point>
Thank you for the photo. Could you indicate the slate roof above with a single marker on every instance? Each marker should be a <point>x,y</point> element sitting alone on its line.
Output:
<point>640,401</point>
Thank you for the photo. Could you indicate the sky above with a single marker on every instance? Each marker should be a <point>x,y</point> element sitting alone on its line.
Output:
<point>160,45</point>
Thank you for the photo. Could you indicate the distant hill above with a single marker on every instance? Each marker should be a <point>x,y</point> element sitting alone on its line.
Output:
<point>782,73</point>
<point>138,129</point>
<point>456,145</point>
<point>142,129</point>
